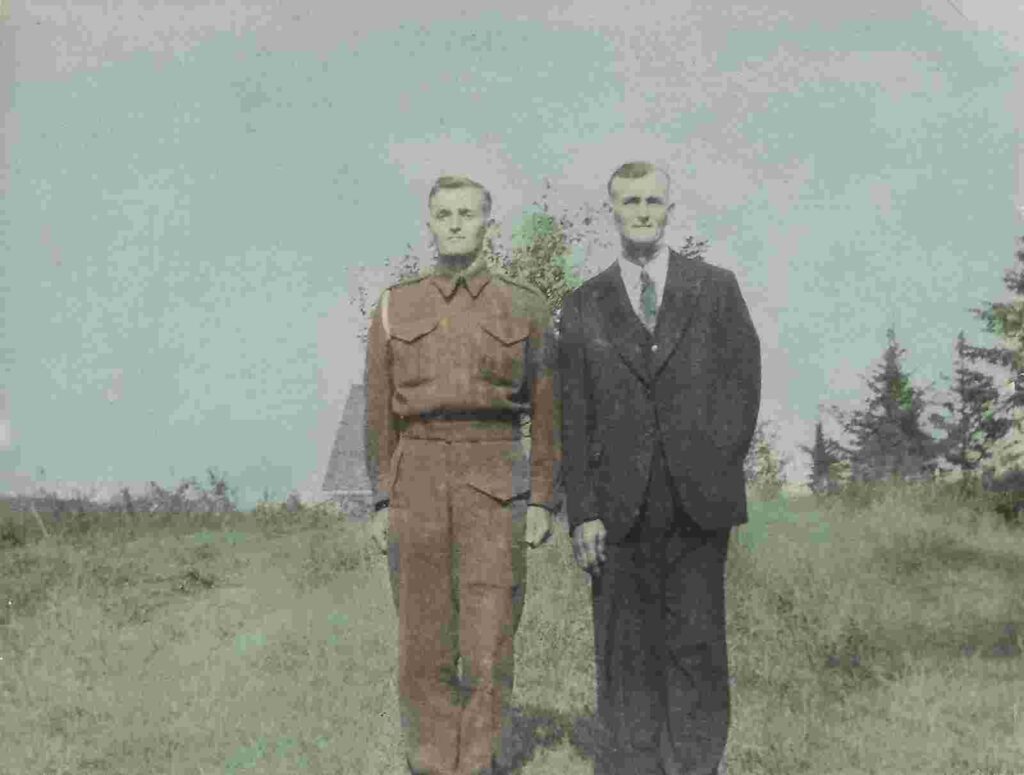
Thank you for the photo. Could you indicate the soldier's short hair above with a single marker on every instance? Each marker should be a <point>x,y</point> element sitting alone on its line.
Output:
<point>636,169</point>
<point>459,181</point>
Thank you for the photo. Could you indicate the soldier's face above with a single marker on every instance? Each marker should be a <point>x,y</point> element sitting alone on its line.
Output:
<point>458,221</point>
<point>641,208</point>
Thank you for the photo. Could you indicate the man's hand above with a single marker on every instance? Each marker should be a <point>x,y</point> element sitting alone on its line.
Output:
<point>379,529</point>
<point>538,526</point>
<point>588,545</point>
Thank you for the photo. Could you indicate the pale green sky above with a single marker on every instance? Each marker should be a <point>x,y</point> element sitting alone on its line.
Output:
<point>179,228</point>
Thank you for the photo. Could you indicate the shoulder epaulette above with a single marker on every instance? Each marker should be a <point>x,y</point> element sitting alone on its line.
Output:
<point>519,284</point>
<point>384,297</point>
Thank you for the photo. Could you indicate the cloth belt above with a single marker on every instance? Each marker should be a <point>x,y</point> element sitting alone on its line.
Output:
<point>464,426</point>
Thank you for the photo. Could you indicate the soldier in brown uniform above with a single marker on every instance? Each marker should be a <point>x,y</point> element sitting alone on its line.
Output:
<point>454,359</point>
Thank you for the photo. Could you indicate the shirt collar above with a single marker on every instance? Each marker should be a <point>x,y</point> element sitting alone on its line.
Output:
<point>657,267</point>
<point>474,277</point>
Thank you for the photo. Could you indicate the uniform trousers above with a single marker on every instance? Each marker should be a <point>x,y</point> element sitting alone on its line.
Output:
<point>457,569</point>
<point>660,642</point>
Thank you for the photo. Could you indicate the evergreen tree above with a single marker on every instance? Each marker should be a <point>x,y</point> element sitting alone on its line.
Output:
<point>973,419</point>
<point>887,437</point>
<point>1006,320</point>
<point>826,454</point>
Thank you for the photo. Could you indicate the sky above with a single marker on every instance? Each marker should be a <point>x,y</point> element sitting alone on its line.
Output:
<point>191,197</point>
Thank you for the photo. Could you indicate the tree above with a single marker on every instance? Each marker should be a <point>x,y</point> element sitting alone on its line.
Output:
<point>1006,320</point>
<point>973,420</point>
<point>540,253</point>
<point>541,247</point>
<point>764,467</point>
<point>887,436</point>
<point>826,455</point>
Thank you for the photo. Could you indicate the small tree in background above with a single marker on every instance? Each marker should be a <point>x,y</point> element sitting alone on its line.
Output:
<point>887,436</point>
<point>764,468</point>
<point>826,455</point>
<point>1006,320</point>
<point>541,246</point>
<point>540,254</point>
<point>973,418</point>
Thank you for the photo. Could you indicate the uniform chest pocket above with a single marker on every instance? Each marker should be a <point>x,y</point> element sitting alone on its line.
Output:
<point>503,351</point>
<point>410,357</point>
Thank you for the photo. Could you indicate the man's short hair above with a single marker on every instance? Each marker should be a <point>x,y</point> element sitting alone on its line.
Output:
<point>458,181</point>
<point>636,169</point>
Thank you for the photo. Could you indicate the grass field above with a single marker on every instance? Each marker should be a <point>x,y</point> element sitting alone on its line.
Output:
<point>871,633</point>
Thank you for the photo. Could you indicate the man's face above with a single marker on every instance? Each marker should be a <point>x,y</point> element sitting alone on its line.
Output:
<point>641,208</point>
<point>458,221</point>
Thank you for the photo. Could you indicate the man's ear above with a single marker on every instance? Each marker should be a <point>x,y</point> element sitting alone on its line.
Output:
<point>669,209</point>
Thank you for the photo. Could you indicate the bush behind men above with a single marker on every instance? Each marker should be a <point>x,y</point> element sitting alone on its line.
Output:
<point>453,360</point>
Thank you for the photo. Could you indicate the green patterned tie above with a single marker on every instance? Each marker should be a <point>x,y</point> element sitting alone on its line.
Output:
<point>648,300</point>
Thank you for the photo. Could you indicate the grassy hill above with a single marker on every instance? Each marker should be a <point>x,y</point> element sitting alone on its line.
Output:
<point>875,632</point>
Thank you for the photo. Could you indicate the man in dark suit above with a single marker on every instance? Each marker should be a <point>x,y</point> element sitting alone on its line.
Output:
<point>661,374</point>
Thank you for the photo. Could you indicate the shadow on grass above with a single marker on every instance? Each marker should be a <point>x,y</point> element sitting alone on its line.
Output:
<point>529,728</point>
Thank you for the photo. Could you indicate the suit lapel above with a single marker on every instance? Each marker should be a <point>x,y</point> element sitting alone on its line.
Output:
<point>620,323</point>
<point>682,290</point>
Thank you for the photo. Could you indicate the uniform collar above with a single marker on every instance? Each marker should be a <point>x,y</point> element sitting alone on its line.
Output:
<point>474,277</point>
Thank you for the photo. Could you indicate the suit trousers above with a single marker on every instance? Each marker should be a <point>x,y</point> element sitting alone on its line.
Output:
<point>660,642</point>
<point>457,569</point>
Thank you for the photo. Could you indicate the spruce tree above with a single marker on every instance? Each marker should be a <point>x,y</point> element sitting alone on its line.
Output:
<point>825,454</point>
<point>1006,320</point>
<point>973,417</point>
<point>887,437</point>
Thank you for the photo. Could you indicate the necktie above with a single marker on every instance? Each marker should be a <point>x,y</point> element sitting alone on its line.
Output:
<point>648,300</point>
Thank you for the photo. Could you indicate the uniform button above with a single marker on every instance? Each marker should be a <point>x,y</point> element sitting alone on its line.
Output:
<point>654,348</point>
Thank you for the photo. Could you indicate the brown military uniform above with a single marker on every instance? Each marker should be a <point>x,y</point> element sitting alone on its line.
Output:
<point>464,356</point>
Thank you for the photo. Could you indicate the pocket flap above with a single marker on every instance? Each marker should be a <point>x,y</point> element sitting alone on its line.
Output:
<point>413,329</point>
<point>507,330</point>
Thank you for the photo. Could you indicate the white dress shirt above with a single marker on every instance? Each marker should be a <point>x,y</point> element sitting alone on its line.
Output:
<point>657,268</point>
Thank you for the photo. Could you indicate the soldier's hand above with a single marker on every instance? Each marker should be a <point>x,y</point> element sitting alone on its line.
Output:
<point>588,545</point>
<point>379,529</point>
<point>538,526</point>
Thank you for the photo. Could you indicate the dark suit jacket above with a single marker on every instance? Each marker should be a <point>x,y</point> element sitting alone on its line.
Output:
<point>698,388</point>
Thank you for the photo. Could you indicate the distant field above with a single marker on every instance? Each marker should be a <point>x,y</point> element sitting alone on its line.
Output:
<point>873,635</point>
